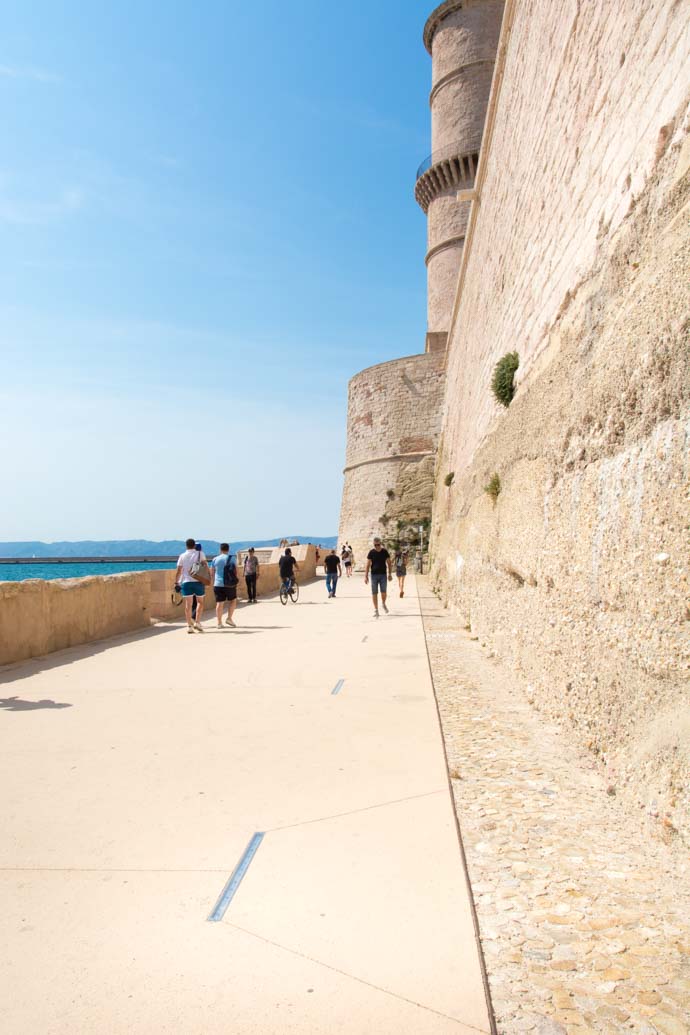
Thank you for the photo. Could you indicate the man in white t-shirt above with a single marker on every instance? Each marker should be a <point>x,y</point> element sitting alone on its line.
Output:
<point>188,586</point>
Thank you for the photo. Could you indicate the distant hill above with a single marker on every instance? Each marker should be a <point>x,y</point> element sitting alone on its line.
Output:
<point>139,547</point>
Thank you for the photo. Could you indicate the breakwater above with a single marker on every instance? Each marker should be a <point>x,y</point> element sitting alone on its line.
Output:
<point>20,569</point>
<point>87,560</point>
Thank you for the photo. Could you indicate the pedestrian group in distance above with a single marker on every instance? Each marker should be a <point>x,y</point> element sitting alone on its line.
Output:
<point>194,573</point>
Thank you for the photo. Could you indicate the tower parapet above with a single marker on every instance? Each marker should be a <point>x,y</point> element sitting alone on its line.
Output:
<point>462,38</point>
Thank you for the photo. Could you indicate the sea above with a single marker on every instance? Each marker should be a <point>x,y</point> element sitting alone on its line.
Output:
<point>66,570</point>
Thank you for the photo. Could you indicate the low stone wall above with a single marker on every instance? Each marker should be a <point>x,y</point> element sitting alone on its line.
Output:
<point>39,617</point>
<point>42,616</point>
<point>163,582</point>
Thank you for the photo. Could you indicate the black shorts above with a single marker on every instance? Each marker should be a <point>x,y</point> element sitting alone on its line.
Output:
<point>223,593</point>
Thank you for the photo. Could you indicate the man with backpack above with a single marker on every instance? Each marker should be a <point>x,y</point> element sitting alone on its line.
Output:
<point>225,584</point>
<point>191,578</point>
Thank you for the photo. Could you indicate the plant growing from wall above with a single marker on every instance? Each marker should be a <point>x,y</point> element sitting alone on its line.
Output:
<point>503,380</point>
<point>407,534</point>
<point>493,487</point>
<point>448,480</point>
<point>390,494</point>
<point>384,520</point>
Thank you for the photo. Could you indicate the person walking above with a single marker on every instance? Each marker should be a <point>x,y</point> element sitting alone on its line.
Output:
<point>197,546</point>
<point>191,578</point>
<point>346,558</point>
<point>332,565</point>
<point>379,565</point>
<point>225,585</point>
<point>251,574</point>
<point>401,569</point>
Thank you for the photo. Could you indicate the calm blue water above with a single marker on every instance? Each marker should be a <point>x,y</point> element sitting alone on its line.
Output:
<point>20,572</point>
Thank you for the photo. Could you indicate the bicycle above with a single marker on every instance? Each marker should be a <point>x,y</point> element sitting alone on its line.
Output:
<point>289,588</point>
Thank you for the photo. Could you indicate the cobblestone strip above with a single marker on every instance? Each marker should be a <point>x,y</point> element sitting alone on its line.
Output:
<point>584,916</point>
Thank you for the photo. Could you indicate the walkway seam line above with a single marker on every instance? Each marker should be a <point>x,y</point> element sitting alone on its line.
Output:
<point>235,879</point>
<point>354,812</point>
<point>461,845</point>
<point>338,687</point>
<point>353,977</point>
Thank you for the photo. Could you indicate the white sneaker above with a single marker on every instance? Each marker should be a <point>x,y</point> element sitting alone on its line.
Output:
<point>198,627</point>
<point>385,608</point>
<point>376,614</point>
<point>190,629</point>
<point>229,621</point>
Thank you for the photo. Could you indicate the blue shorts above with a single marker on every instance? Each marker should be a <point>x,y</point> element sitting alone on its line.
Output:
<point>192,589</point>
<point>379,583</point>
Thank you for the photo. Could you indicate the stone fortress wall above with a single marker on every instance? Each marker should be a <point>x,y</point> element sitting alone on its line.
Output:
<point>564,238</point>
<point>577,255</point>
<point>394,416</point>
<point>394,408</point>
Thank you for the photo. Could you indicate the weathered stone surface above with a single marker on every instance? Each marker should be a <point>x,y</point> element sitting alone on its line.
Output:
<point>547,1026</point>
<point>669,1025</point>
<point>393,425</point>
<point>508,755</point>
<point>577,573</point>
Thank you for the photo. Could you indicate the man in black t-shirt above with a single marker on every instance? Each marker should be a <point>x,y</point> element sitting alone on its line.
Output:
<point>287,567</point>
<point>379,564</point>
<point>332,565</point>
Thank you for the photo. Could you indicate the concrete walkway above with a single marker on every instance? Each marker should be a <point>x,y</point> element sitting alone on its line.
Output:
<point>134,773</point>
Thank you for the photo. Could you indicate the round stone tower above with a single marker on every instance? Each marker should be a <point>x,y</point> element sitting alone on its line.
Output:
<point>394,409</point>
<point>462,38</point>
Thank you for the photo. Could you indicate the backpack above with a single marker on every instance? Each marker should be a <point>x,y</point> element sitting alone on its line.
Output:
<point>199,570</point>
<point>230,579</point>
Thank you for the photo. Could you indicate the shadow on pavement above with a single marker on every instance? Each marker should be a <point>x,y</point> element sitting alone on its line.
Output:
<point>23,669</point>
<point>246,629</point>
<point>15,704</point>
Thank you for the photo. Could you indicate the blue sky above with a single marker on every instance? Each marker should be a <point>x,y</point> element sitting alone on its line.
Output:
<point>208,225</point>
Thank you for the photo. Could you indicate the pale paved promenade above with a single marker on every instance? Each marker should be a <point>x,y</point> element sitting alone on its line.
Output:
<point>125,813</point>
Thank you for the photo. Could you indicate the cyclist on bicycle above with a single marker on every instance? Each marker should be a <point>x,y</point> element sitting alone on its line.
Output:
<point>287,567</point>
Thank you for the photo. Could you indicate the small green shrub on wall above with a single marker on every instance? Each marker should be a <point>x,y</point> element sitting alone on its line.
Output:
<point>448,480</point>
<point>493,488</point>
<point>503,381</point>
